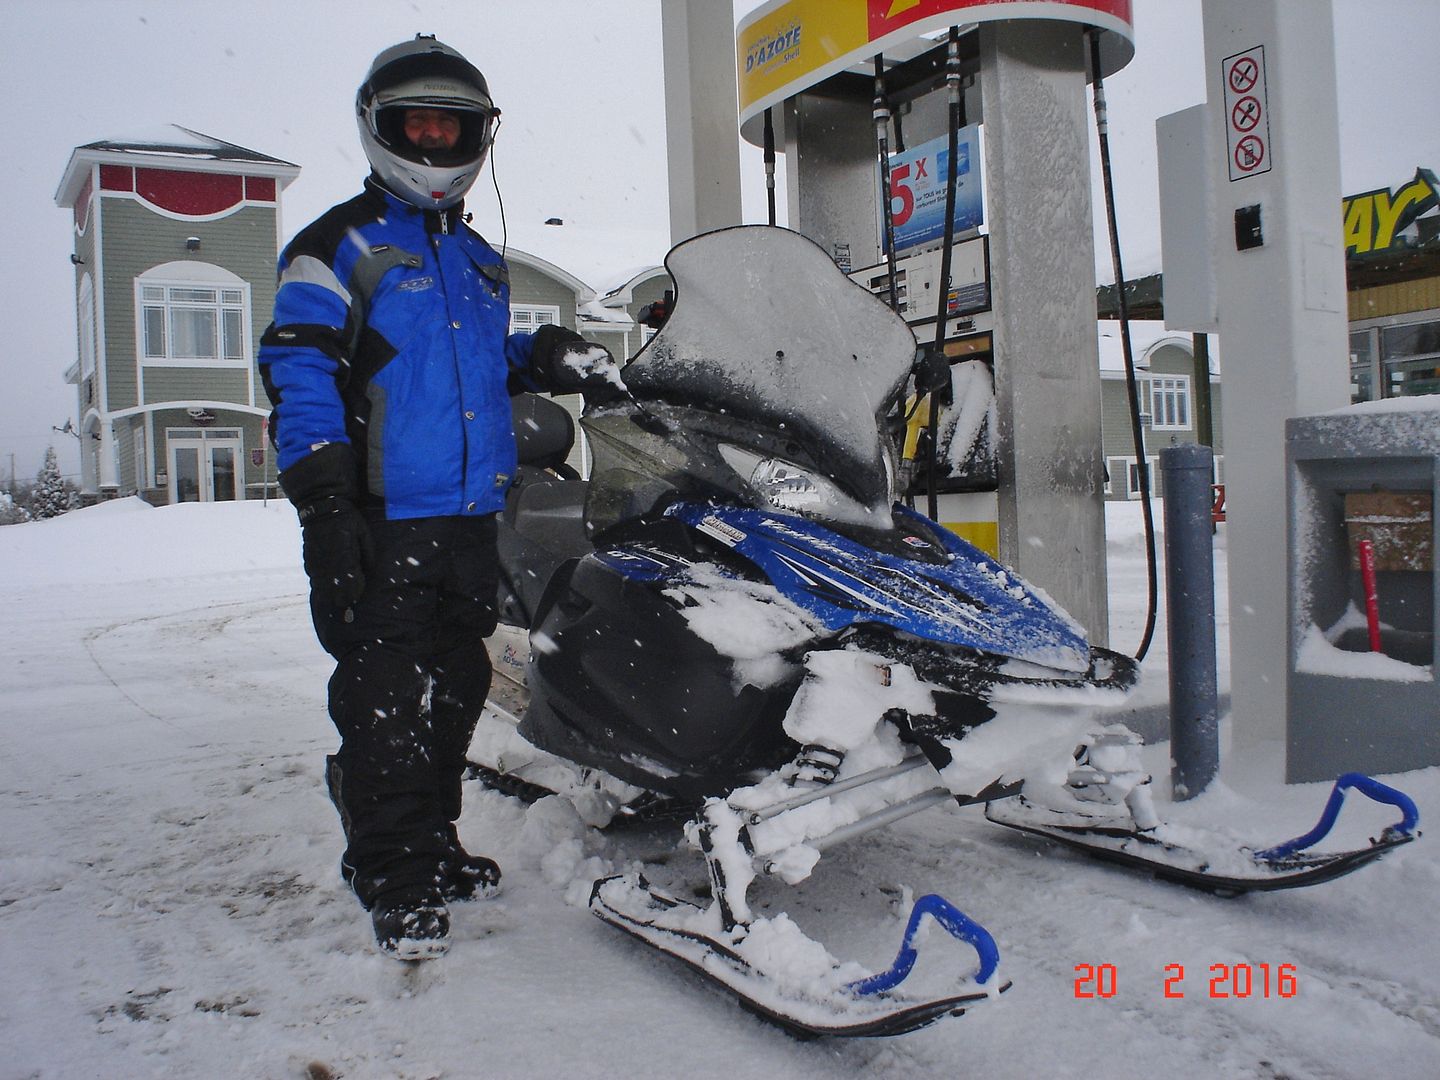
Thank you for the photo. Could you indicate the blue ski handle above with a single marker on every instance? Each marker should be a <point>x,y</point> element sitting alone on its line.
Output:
<point>956,922</point>
<point>1366,785</point>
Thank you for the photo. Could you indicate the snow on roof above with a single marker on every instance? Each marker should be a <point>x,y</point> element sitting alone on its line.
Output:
<point>172,139</point>
<point>1146,336</point>
<point>625,282</point>
<point>172,142</point>
<point>596,311</point>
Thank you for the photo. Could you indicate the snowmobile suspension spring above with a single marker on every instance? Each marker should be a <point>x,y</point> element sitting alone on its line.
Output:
<point>915,761</point>
<point>818,764</point>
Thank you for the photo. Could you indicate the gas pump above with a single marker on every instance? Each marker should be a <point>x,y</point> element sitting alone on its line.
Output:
<point>872,101</point>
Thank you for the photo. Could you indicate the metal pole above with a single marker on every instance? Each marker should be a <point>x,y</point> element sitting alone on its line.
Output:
<point>770,165</point>
<point>945,396</point>
<point>1204,424</point>
<point>1190,616</point>
<point>881,115</point>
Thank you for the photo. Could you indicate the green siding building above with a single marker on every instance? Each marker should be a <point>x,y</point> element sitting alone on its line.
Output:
<point>176,238</point>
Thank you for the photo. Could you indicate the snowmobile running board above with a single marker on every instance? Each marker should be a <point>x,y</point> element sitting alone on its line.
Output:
<point>863,1007</point>
<point>1284,866</point>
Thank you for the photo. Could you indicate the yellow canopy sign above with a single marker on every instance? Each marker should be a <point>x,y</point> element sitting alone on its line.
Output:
<point>788,45</point>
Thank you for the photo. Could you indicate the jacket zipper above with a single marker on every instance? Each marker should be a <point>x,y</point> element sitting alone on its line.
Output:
<point>465,499</point>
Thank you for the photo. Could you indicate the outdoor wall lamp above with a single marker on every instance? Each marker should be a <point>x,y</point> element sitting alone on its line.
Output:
<point>192,243</point>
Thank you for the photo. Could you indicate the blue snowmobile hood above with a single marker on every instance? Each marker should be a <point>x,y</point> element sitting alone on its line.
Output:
<point>968,600</point>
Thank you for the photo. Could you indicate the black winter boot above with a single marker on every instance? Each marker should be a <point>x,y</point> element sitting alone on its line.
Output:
<point>411,924</point>
<point>467,877</point>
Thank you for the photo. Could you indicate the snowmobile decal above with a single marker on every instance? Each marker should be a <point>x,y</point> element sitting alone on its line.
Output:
<point>969,600</point>
<point>726,534</point>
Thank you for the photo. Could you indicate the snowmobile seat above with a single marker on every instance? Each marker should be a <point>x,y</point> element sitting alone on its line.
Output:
<point>543,527</point>
<point>544,432</point>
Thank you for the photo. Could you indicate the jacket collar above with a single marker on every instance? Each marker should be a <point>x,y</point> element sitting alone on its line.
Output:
<point>450,220</point>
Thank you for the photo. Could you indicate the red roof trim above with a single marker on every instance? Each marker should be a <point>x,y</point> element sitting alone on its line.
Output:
<point>117,178</point>
<point>194,194</point>
<point>260,188</point>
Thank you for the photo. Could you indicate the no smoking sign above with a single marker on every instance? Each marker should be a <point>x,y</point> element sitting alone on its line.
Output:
<point>1247,114</point>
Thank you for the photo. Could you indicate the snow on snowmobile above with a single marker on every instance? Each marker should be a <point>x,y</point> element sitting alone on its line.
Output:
<point>735,617</point>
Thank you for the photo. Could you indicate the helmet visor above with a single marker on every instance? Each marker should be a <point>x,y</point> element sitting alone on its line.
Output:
<point>429,135</point>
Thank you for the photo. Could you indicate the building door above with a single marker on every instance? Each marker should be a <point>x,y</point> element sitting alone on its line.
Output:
<point>205,466</point>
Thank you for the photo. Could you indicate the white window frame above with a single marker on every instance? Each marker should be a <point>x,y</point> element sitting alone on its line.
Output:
<point>527,318</point>
<point>1174,390</point>
<point>1113,467</point>
<point>87,327</point>
<point>142,459</point>
<point>1132,478</point>
<point>167,296</point>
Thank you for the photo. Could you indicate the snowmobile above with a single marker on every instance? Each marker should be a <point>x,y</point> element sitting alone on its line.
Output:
<point>734,618</point>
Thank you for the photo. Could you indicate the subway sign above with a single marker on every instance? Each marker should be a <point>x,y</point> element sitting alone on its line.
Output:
<point>1374,220</point>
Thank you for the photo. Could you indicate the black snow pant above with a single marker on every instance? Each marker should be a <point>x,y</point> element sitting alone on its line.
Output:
<point>411,676</point>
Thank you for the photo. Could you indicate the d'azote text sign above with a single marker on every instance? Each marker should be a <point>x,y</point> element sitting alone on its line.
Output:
<point>786,46</point>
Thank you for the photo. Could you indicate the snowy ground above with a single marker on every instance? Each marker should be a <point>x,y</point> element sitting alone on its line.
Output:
<point>170,906</point>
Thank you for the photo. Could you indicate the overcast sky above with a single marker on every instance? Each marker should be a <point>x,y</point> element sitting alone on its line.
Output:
<point>583,137</point>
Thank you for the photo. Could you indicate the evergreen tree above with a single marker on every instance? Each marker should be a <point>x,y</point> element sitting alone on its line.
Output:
<point>50,497</point>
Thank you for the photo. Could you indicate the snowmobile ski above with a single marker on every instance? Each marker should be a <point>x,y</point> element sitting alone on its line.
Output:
<point>826,999</point>
<point>1180,854</point>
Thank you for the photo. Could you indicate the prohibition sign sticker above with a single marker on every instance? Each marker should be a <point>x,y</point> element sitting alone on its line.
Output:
<point>1247,114</point>
<point>1249,153</point>
<point>1244,74</point>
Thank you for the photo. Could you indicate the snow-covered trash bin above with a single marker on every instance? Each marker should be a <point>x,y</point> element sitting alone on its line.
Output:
<point>1366,473</point>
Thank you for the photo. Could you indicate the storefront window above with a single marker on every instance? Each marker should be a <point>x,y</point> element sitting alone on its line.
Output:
<point>1362,367</point>
<point>1411,358</point>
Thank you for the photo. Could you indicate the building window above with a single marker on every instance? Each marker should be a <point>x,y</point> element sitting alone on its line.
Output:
<point>1114,469</point>
<point>1132,475</point>
<point>1410,354</point>
<point>1364,371</point>
<point>527,319</point>
<point>1169,397</point>
<point>193,322</point>
<point>142,467</point>
<point>87,328</point>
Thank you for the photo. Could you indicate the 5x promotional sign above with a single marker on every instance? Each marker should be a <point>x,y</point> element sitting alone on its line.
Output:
<point>917,189</point>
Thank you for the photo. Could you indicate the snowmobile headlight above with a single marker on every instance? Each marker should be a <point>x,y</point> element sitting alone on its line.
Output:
<point>789,487</point>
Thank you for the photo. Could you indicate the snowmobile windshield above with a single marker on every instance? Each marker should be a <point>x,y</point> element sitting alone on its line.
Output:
<point>769,347</point>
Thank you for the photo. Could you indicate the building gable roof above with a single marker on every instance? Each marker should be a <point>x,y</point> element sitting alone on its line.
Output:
<point>170,147</point>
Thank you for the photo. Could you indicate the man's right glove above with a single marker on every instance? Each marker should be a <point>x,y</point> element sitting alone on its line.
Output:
<point>337,548</point>
<point>565,363</point>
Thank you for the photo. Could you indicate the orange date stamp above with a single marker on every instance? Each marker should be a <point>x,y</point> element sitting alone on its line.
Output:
<point>1223,981</point>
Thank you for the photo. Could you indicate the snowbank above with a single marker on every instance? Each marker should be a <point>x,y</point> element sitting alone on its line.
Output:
<point>130,540</point>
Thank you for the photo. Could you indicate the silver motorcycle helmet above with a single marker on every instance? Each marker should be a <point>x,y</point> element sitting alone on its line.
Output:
<point>425,74</point>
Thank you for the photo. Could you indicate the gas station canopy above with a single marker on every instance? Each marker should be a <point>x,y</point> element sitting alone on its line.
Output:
<point>787,46</point>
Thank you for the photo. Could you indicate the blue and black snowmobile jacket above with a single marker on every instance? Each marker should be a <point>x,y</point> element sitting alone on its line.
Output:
<point>391,333</point>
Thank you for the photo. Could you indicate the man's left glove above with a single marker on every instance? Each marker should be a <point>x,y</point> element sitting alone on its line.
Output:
<point>337,549</point>
<point>565,363</point>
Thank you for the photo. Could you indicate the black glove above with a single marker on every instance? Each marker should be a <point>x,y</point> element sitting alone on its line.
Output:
<point>565,363</point>
<point>337,549</point>
<point>932,374</point>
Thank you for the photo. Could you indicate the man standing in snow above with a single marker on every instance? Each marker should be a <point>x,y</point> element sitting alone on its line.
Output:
<point>387,364</point>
